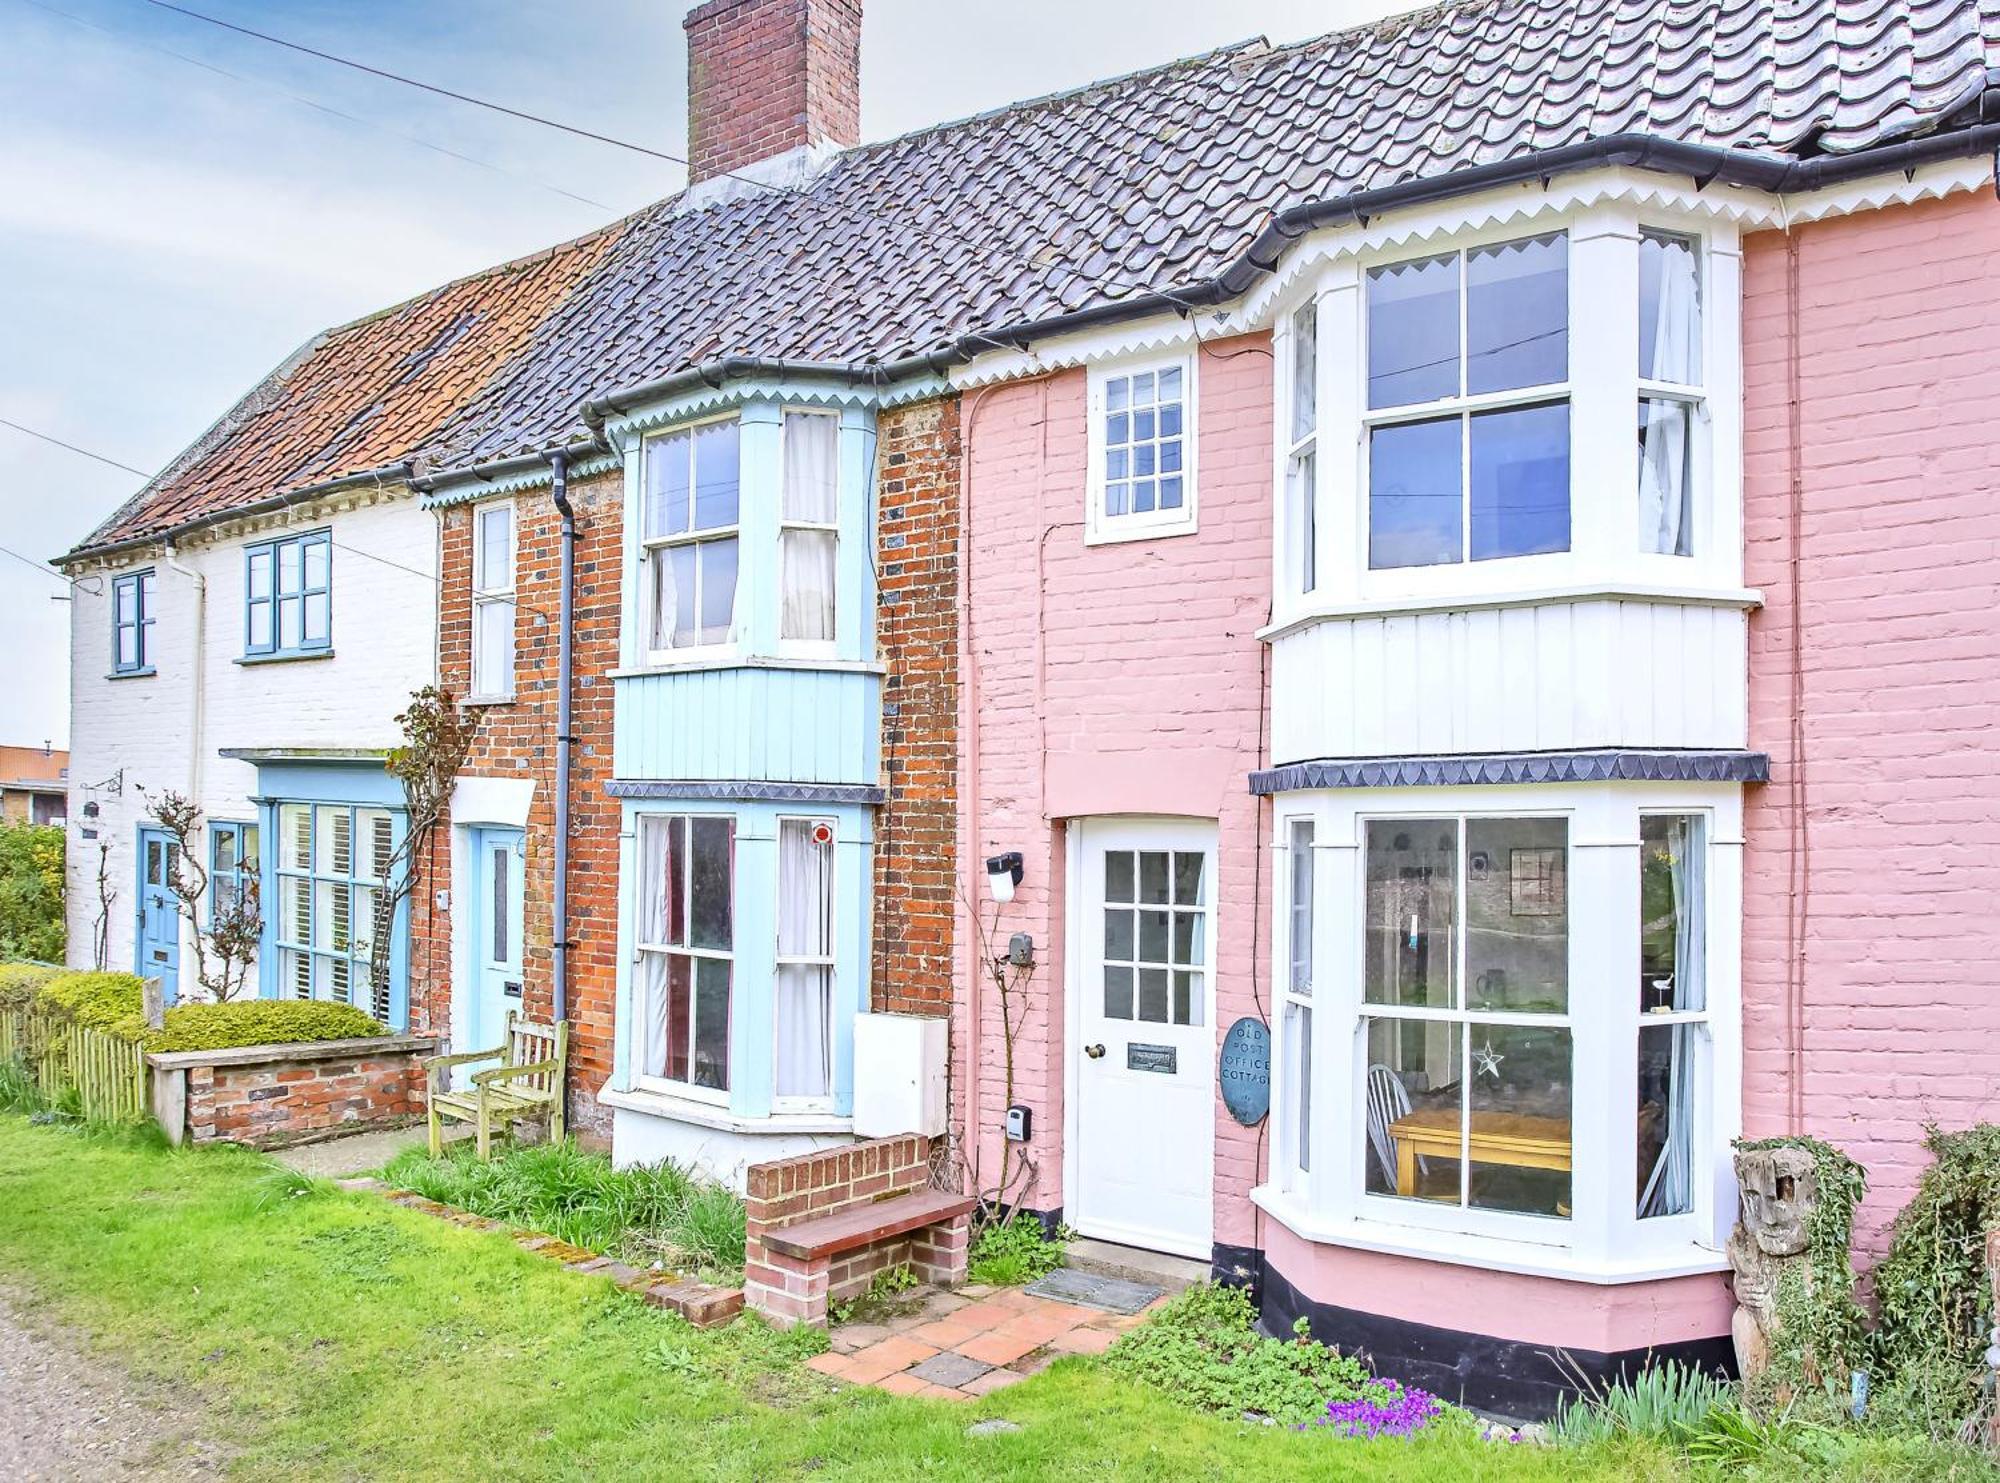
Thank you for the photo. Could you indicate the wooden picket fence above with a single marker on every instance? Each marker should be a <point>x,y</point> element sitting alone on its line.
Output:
<point>107,1075</point>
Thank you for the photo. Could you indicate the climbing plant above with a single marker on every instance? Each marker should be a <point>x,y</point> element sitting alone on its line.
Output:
<point>1822,1334</point>
<point>437,737</point>
<point>1932,1291</point>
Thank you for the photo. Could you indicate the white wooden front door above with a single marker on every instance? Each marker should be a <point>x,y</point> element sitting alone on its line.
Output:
<point>1142,1035</point>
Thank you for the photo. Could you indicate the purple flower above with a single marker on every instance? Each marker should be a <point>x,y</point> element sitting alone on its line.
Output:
<point>1384,1408</point>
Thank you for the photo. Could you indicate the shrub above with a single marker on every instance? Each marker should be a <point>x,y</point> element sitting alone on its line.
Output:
<point>259,1022</point>
<point>20,982</point>
<point>1931,1288</point>
<point>1006,1254</point>
<point>31,891</point>
<point>1203,1349</point>
<point>97,1001</point>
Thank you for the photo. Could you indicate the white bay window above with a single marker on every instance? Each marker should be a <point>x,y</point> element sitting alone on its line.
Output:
<point>1513,1036</point>
<point>809,533</point>
<point>683,980</point>
<point>804,1002</point>
<point>690,512</point>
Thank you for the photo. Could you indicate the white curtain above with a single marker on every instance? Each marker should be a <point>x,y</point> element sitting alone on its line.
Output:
<point>1669,1188</point>
<point>652,1006</point>
<point>1664,439</point>
<point>811,497</point>
<point>804,1007</point>
<point>666,599</point>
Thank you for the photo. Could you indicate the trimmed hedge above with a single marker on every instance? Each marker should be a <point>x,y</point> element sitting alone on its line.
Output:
<point>260,1022</point>
<point>115,1004</point>
<point>20,982</point>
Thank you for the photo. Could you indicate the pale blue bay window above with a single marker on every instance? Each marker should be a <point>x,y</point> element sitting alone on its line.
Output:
<point>288,596</point>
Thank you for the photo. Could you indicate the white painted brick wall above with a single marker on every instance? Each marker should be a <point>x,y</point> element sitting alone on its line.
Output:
<point>384,647</point>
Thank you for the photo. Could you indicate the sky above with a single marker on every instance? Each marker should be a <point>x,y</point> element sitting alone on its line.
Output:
<point>181,207</point>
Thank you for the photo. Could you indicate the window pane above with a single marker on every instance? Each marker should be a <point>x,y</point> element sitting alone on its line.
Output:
<point>1302,907</point>
<point>503,861</point>
<point>1413,332</point>
<point>1667,1078</point>
<point>1305,370</point>
<point>1190,871</point>
<point>1121,939</point>
<point>1118,876</point>
<point>125,600</point>
<point>718,591</point>
<point>673,597</point>
<point>807,578</point>
<point>715,475</point>
<point>712,872</point>
<point>667,509</point>
<point>1666,476</point>
<point>1413,1114</point>
<point>1187,1006</point>
<point>295,909</point>
<point>318,618</point>
<point>1669,309</point>
<point>812,449</point>
<point>805,891</point>
<point>377,843</point>
<point>1117,992</point>
<point>260,625</point>
<point>804,1031</point>
<point>1520,481</point>
<point>1673,946</point>
<point>1517,915</point>
<point>249,855</point>
<point>1519,1080</point>
<point>1298,1038</point>
<point>1413,494</point>
<point>128,648</point>
<point>1300,522</point>
<point>295,830</point>
<point>679,1010</point>
<point>291,622</point>
<point>334,840</point>
<point>493,648</point>
<point>223,850</point>
<point>1153,876</point>
<point>148,588</point>
<point>494,572</point>
<point>291,567</point>
<point>319,564</point>
<point>1153,936</point>
<point>711,1024</point>
<point>1153,996</point>
<point>258,577</point>
<point>1517,314</point>
<point>1412,905</point>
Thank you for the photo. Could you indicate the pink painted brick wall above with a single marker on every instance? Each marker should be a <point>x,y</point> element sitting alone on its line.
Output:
<point>1116,679</point>
<point>1899,333</point>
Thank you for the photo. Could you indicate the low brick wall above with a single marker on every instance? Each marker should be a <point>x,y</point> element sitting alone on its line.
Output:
<point>267,1095</point>
<point>788,1290</point>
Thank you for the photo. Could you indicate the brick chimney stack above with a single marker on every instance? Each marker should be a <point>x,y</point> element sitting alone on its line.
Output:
<point>770,78</point>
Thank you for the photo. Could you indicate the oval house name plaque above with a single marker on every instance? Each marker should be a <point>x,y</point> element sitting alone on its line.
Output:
<point>1245,1071</point>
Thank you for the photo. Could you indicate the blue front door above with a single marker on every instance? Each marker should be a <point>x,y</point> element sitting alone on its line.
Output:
<point>496,952</point>
<point>159,948</point>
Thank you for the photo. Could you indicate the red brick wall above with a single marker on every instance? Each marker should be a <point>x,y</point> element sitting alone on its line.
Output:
<point>274,1102</point>
<point>766,76</point>
<point>917,458</point>
<point>1898,327</point>
<point>787,1191</point>
<point>518,740</point>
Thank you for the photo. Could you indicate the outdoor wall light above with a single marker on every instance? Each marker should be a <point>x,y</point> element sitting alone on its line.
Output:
<point>1003,873</point>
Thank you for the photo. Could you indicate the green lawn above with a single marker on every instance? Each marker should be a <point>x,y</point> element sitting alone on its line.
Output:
<point>337,1336</point>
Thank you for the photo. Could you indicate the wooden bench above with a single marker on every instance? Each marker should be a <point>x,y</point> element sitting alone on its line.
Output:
<point>528,1083</point>
<point>822,1226</point>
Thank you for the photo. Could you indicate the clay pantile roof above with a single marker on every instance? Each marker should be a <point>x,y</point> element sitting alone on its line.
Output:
<point>1116,191</point>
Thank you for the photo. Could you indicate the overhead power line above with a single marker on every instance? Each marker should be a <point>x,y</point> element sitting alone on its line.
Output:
<point>100,457</point>
<point>41,566</point>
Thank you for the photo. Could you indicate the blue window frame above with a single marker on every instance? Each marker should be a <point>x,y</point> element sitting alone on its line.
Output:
<point>288,595</point>
<point>232,865</point>
<point>333,863</point>
<point>132,599</point>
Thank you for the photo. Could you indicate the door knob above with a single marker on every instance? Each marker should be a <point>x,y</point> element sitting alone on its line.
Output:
<point>1095,1052</point>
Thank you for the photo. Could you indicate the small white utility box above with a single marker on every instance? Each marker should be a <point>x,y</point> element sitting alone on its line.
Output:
<point>899,1074</point>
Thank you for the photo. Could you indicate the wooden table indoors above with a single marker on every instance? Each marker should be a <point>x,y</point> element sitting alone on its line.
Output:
<point>1511,1138</point>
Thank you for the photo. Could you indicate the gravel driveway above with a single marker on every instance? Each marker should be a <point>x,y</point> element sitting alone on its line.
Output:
<point>66,1414</point>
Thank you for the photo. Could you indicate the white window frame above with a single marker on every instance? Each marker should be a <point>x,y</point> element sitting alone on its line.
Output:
<point>1101,528</point>
<point>643,824</point>
<point>1297,835</point>
<point>1464,405</point>
<point>828,961</point>
<point>806,648</point>
<point>1692,395</point>
<point>1299,503</point>
<point>1604,1239</point>
<point>649,546</point>
<point>1603,390</point>
<point>487,593</point>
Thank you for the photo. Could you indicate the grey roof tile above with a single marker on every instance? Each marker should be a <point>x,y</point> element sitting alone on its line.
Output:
<point>1144,183</point>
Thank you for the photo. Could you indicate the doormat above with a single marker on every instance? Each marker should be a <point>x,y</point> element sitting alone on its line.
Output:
<point>1087,1290</point>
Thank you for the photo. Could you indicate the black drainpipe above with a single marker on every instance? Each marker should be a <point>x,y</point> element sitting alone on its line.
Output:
<point>559,488</point>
